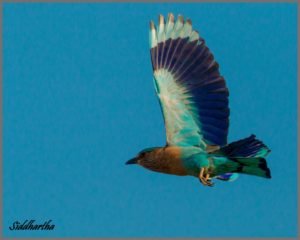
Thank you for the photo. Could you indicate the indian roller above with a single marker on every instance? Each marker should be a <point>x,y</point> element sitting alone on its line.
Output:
<point>193,97</point>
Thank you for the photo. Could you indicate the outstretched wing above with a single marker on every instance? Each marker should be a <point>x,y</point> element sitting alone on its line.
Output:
<point>192,93</point>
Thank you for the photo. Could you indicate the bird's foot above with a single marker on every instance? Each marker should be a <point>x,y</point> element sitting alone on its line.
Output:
<point>204,177</point>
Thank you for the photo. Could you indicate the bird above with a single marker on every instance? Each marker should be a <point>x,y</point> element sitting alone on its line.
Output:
<point>194,101</point>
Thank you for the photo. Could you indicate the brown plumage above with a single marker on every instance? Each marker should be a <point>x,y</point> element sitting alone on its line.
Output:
<point>165,160</point>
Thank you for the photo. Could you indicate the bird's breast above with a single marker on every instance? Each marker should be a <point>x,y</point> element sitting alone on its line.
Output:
<point>168,161</point>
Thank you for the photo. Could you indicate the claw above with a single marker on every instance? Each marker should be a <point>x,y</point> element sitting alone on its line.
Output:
<point>204,178</point>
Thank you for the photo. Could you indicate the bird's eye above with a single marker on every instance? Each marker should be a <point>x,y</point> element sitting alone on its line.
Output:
<point>142,154</point>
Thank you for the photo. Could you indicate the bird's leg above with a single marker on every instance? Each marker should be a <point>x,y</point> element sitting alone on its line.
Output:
<point>204,177</point>
<point>207,178</point>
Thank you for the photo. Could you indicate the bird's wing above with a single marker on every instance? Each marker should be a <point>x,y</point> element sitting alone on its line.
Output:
<point>192,93</point>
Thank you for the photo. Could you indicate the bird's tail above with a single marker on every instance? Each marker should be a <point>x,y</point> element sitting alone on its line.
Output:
<point>247,147</point>
<point>254,166</point>
<point>245,156</point>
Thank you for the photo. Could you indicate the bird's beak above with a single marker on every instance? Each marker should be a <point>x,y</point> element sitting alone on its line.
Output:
<point>132,161</point>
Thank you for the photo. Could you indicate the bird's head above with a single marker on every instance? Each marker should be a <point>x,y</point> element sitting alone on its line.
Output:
<point>144,157</point>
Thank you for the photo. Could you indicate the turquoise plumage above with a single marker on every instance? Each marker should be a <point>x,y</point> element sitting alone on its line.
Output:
<point>194,101</point>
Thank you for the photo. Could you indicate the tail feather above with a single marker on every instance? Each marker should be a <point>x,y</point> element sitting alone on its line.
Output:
<point>247,147</point>
<point>245,156</point>
<point>254,166</point>
<point>257,172</point>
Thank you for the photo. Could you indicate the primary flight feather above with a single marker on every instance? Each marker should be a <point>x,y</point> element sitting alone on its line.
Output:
<point>194,101</point>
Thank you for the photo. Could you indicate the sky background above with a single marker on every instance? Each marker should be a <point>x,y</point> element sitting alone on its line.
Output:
<point>79,101</point>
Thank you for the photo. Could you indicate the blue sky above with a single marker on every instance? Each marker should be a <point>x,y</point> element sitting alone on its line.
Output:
<point>79,101</point>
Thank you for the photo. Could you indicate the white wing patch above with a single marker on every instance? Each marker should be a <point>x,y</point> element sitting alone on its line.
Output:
<point>182,128</point>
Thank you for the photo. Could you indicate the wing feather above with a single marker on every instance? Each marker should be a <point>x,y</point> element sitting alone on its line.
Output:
<point>192,93</point>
